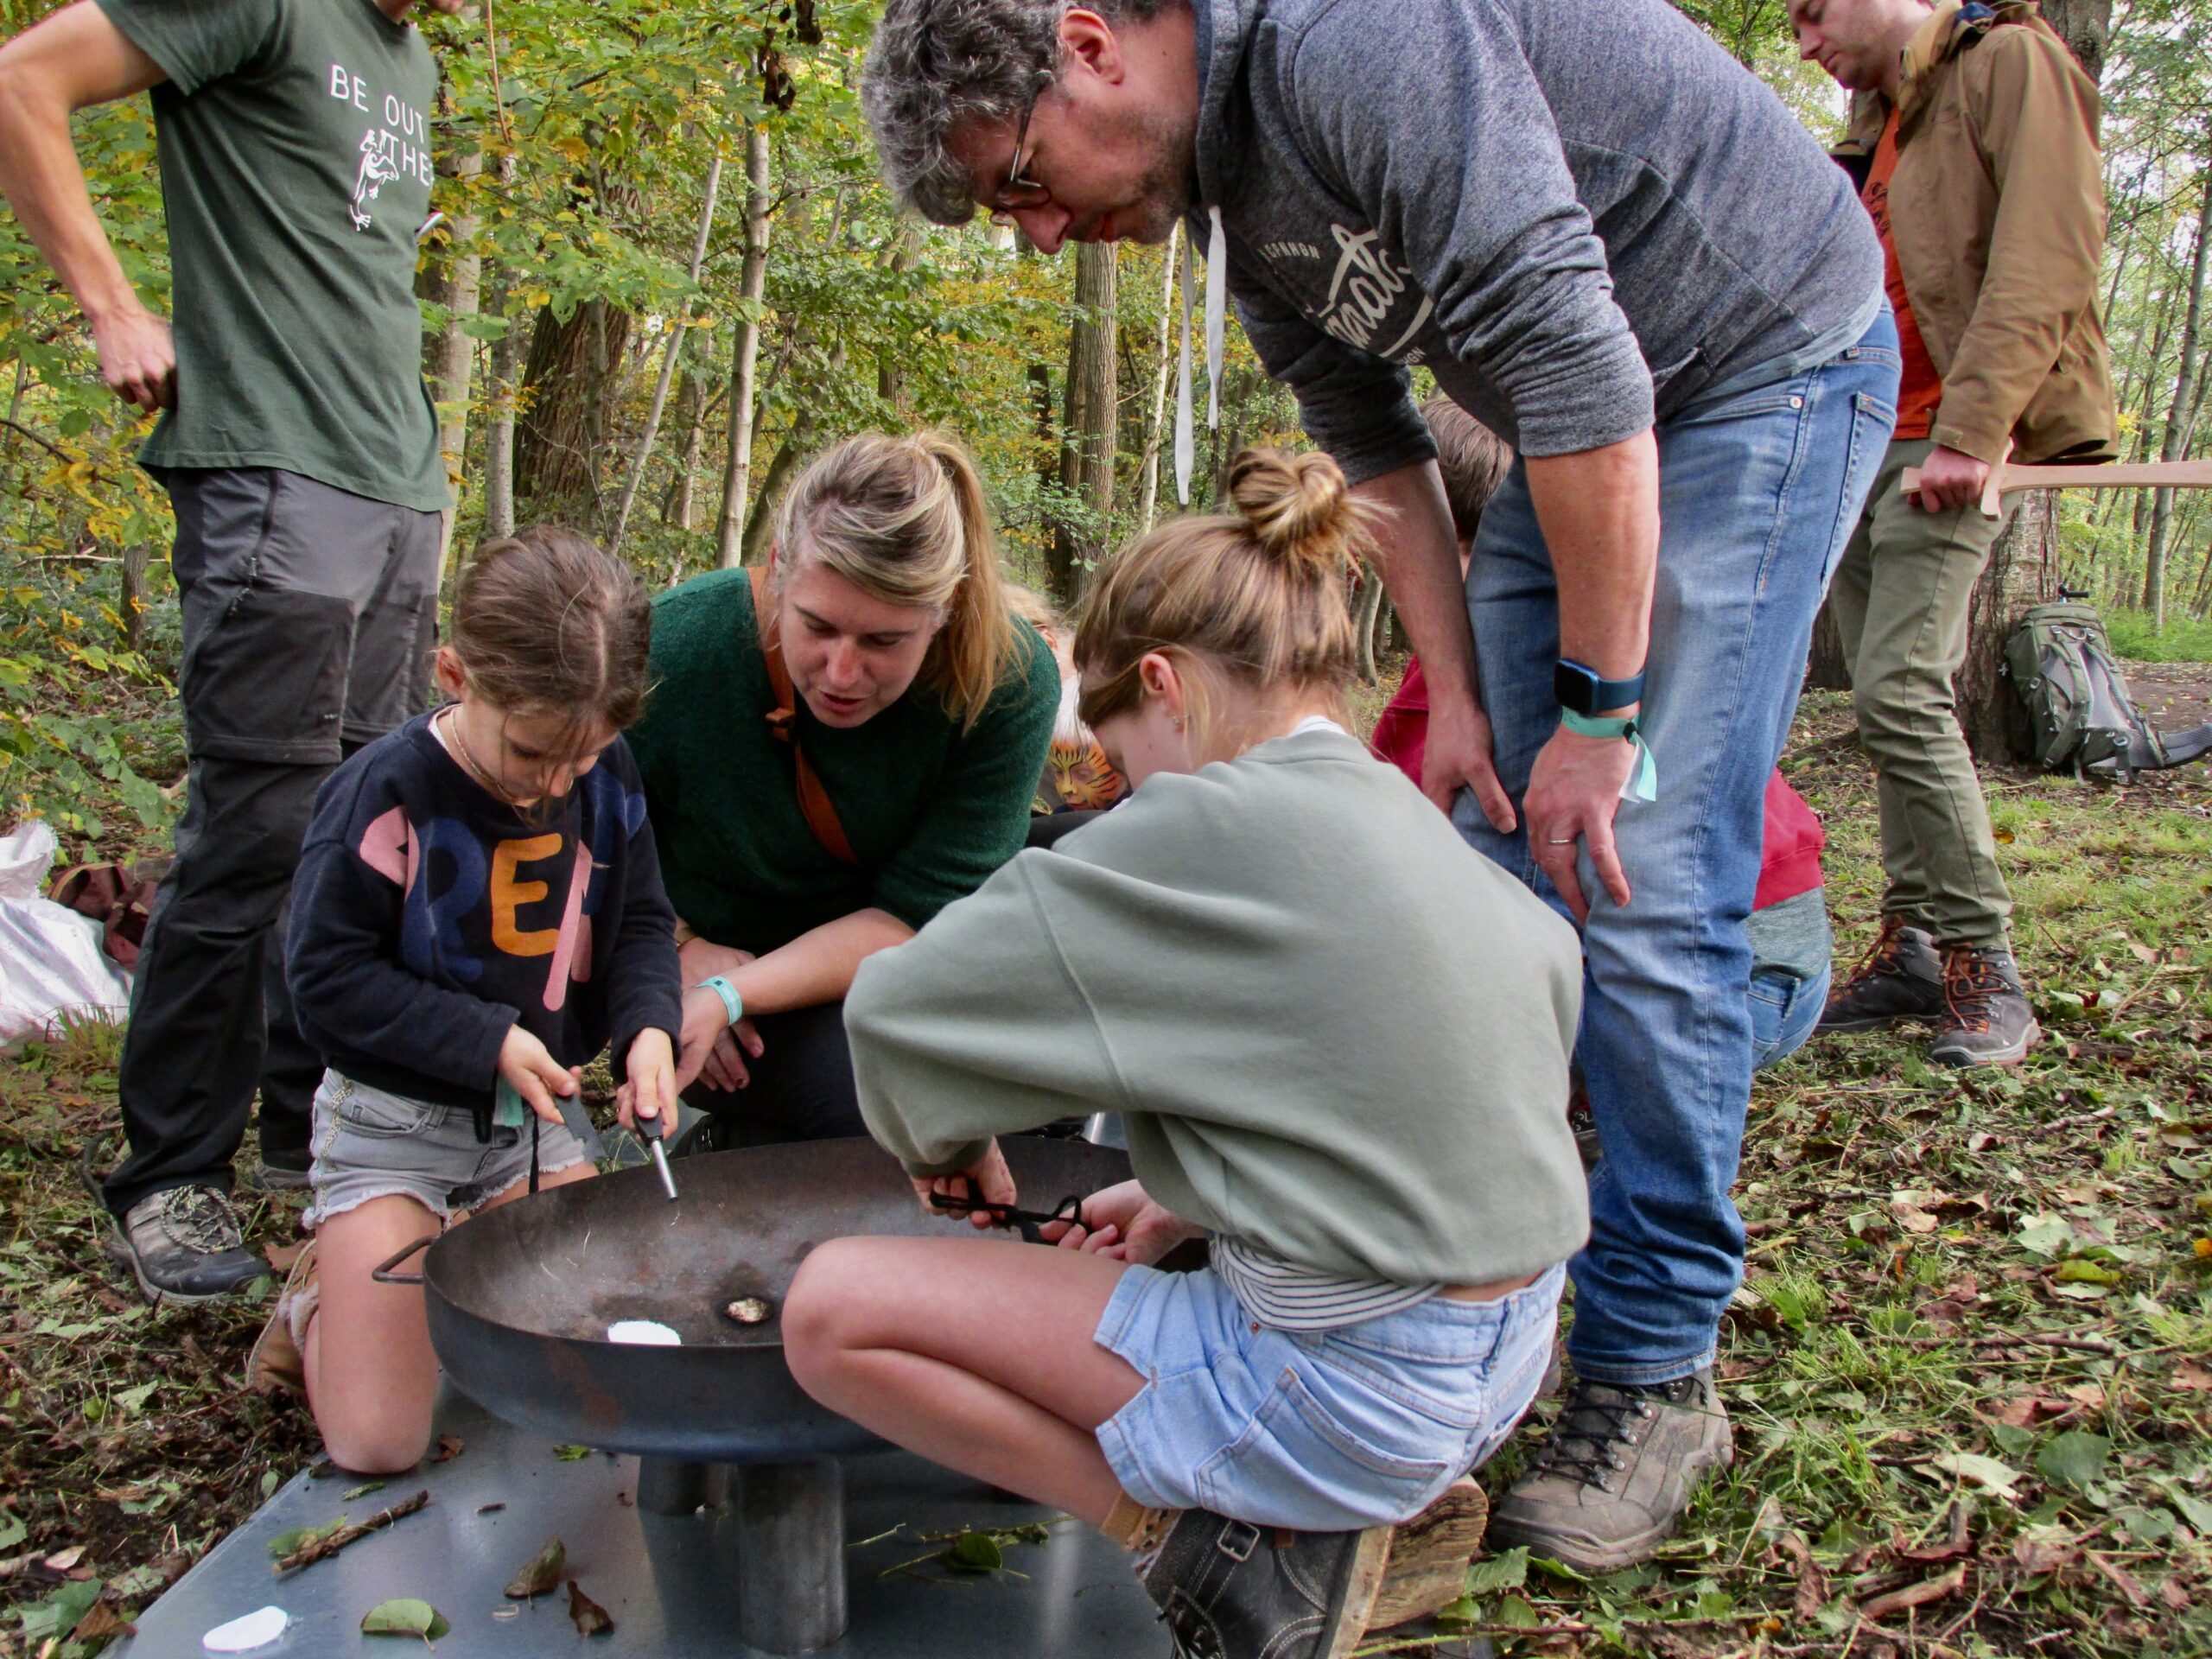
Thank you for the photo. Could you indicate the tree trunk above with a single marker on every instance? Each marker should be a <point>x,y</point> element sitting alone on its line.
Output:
<point>499,401</point>
<point>451,353</point>
<point>781,466</point>
<point>2178,415</point>
<point>745,358</point>
<point>2023,569</point>
<point>1155,425</point>
<point>1088,431</point>
<point>668,362</point>
<point>134,594</point>
<point>890,373</point>
<point>1826,671</point>
<point>570,382</point>
<point>691,416</point>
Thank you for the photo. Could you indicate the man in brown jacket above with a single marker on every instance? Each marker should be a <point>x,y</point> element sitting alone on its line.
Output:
<point>1974,139</point>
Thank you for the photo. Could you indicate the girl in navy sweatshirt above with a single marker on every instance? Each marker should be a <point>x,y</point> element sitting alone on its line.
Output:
<point>477,911</point>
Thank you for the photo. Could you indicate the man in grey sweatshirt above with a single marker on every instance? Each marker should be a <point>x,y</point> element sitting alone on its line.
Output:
<point>1613,246</point>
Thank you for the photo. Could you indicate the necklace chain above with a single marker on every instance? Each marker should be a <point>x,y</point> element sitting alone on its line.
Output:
<point>469,760</point>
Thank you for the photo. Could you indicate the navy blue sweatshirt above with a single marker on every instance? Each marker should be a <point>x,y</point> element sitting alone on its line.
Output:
<point>428,916</point>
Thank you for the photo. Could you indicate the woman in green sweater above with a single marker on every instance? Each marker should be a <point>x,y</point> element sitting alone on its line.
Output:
<point>804,827</point>
<point>1339,1040</point>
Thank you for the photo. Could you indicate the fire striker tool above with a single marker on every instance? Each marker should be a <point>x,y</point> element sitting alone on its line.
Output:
<point>652,1138</point>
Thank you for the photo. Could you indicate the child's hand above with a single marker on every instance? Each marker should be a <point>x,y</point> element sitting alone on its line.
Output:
<point>987,1178</point>
<point>536,1076</point>
<point>712,1047</point>
<point>1125,1226</point>
<point>648,1089</point>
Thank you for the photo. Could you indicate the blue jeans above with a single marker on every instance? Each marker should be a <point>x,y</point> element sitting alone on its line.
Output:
<point>1784,1010</point>
<point>1759,493</point>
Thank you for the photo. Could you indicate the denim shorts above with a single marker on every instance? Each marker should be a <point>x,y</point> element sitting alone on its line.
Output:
<point>369,1144</point>
<point>1315,1431</point>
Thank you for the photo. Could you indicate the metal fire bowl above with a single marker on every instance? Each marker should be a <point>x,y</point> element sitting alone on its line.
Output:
<point>519,1299</point>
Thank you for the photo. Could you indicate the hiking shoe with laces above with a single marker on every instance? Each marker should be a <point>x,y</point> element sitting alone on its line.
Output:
<point>282,1169</point>
<point>1614,1480</point>
<point>1987,1019</point>
<point>1229,1590</point>
<point>1902,978</point>
<point>184,1245</point>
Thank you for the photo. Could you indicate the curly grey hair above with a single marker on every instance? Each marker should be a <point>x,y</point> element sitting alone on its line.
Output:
<point>936,65</point>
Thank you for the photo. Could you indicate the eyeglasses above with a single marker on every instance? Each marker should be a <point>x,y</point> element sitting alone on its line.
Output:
<point>1020,190</point>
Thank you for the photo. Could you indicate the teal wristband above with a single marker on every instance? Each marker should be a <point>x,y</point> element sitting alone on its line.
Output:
<point>732,1004</point>
<point>1643,778</point>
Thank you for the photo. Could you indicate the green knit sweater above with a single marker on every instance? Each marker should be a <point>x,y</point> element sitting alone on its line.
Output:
<point>930,810</point>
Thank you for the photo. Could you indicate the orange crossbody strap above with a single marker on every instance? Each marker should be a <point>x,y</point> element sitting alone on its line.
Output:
<point>813,799</point>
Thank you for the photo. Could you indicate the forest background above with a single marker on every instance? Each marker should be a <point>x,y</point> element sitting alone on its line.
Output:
<point>667,275</point>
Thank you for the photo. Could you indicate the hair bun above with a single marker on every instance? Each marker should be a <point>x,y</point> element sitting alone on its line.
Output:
<point>1298,508</point>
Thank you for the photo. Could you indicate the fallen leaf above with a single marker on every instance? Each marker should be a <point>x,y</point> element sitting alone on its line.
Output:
<point>63,1559</point>
<point>280,1256</point>
<point>362,1490</point>
<point>1915,1595</point>
<point>1812,1579</point>
<point>2026,1410</point>
<point>2191,1377</point>
<point>2074,1459</point>
<point>102,1623</point>
<point>1911,1217</point>
<point>2122,1580</point>
<point>973,1552</point>
<point>591,1618</point>
<point>544,1573</point>
<point>1958,1541</point>
<point>1984,1472</point>
<point>405,1615</point>
<point>572,1453</point>
<point>449,1447</point>
<point>2044,1550</point>
<point>489,1509</point>
<point>2088,1395</point>
<point>2175,1595</point>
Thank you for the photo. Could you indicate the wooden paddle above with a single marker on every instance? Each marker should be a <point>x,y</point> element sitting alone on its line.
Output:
<point>2152,474</point>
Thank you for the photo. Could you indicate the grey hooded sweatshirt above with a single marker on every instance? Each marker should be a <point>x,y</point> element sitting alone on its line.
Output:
<point>1579,215</point>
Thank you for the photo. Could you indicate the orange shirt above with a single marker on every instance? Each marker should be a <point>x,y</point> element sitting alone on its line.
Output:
<point>1922,388</point>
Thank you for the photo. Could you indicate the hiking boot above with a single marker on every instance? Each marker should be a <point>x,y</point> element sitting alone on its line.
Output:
<point>282,1169</point>
<point>1987,1019</point>
<point>184,1245</point>
<point>278,1362</point>
<point>1612,1483</point>
<point>1902,978</point>
<point>1229,1590</point>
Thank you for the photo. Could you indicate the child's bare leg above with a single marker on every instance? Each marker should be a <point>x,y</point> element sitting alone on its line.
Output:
<point>371,1342</point>
<point>370,1375</point>
<point>579,1171</point>
<point>974,1352</point>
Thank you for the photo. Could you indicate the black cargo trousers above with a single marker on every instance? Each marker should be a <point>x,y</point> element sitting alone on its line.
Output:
<point>310,614</point>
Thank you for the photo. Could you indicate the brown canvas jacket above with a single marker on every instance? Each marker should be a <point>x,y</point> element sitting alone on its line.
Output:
<point>1998,208</point>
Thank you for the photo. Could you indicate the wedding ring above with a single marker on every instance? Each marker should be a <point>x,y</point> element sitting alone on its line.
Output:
<point>1562,840</point>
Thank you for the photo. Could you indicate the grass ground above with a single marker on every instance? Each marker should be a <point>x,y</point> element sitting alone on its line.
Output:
<point>1970,1371</point>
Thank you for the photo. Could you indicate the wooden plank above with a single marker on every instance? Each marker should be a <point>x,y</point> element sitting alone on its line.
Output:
<point>2153,474</point>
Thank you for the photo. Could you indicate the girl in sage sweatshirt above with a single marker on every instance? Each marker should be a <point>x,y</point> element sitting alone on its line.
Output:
<point>1338,1038</point>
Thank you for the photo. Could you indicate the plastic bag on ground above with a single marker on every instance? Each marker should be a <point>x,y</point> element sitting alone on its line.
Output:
<point>52,967</point>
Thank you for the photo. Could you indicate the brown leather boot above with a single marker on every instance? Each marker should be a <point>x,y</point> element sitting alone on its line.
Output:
<point>1902,978</point>
<point>1987,1019</point>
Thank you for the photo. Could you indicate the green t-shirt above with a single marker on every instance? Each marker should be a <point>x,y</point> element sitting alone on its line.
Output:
<point>931,810</point>
<point>294,137</point>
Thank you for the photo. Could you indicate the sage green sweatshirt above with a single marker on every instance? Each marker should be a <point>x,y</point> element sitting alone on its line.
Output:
<point>1334,1029</point>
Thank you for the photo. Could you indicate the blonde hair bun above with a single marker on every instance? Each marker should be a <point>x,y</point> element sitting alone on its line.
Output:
<point>1300,510</point>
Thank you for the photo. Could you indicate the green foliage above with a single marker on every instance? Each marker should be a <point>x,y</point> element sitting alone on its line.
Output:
<point>2185,640</point>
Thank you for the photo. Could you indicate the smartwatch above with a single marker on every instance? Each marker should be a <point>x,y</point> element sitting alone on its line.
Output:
<point>1581,690</point>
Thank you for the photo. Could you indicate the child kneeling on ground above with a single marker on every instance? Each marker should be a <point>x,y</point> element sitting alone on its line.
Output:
<point>478,908</point>
<point>1338,1038</point>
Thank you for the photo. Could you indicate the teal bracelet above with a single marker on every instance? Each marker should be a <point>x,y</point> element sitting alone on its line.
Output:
<point>732,1004</point>
<point>1643,778</point>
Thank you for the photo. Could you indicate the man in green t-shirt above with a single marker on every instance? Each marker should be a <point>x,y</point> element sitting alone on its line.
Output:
<point>299,446</point>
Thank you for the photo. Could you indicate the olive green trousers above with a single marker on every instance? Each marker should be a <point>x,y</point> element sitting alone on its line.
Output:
<point>1901,598</point>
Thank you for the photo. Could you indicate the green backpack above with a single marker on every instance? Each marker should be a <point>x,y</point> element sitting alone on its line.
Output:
<point>2081,715</point>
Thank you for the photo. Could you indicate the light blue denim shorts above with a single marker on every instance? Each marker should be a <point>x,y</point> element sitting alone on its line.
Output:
<point>1321,1431</point>
<point>369,1143</point>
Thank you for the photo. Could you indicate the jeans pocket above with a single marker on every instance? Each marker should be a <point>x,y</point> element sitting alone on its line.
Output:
<point>1298,1457</point>
<point>363,1110</point>
<point>1873,421</point>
